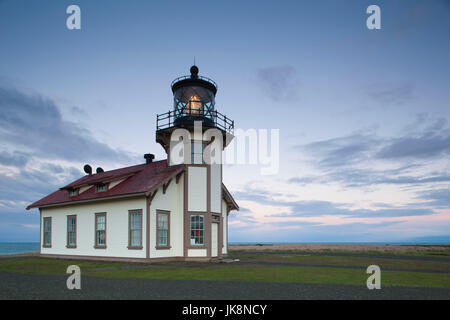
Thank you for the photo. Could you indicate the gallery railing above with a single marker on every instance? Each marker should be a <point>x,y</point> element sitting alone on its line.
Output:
<point>220,121</point>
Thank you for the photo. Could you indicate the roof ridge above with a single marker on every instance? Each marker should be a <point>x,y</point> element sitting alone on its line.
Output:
<point>136,165</point>
<point>106,174</point>
<point>145,179</point>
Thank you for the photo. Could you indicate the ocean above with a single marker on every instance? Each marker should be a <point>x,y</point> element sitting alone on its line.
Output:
<point>18,247</point>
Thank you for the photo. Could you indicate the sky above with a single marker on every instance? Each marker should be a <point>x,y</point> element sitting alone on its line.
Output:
<point>363,115</point>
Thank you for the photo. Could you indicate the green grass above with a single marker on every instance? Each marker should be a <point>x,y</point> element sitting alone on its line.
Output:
<point>237,272</point>
<point>283,274</point>
<point>329,260</point>
<point>50,266</point>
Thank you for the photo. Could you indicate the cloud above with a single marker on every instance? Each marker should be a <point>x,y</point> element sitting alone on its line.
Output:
<point>278,83</point>
<point>422,13</point>
<point>350,160</point>
<point>434,141</point>
<point>32,184</point>
<point>322,208</point>
<point>32,127</point>
<point>342,150</point>
<point>18,227</point>
<point>307,232</point>
<point>388,94</point>
<point>15,158</point>
<point>354,177</point>
<point>438,198</point>
<point>317,208</point>
<point>430,142</point>
<point>35,124</point>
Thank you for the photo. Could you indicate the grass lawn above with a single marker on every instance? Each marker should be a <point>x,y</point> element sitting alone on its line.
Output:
<point>253,267</point>
<point>391,262</point>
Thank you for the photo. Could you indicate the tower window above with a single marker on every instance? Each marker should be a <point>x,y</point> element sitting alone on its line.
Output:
<point>197,149</point>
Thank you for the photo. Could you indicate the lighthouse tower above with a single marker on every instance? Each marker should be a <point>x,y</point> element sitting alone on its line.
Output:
<point>194,134</point>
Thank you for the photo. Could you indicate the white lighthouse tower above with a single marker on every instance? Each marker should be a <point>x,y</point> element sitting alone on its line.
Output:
<point>194,134</point>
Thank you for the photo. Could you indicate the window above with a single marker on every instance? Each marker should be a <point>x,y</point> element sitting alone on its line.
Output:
<point>100,230</point>
<point>215,218</point>
<point>102,187</point>
<point>135,229</point>
<point>73,192</point>
<point>163,229</point>
<point>197,149</point>
<point>71,231</point>
<point>197,230</point>
<point>47,232</point>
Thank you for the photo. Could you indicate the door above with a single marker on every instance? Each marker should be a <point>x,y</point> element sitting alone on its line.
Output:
<point>214,239</point>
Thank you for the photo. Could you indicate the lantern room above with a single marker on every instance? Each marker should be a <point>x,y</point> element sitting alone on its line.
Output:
<point>194,99</point>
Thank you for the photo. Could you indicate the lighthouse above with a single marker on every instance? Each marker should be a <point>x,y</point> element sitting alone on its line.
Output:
<point>194,133</point>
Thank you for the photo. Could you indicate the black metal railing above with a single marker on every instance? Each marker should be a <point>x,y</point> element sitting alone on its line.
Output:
<point>167,120</point>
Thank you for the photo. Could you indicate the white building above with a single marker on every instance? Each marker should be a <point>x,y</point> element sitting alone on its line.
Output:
<point>161,210</point>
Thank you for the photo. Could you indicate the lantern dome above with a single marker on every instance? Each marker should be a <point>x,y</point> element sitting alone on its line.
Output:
<point>194,99</point>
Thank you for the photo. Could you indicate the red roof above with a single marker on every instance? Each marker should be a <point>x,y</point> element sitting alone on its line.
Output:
<point>139,179</point>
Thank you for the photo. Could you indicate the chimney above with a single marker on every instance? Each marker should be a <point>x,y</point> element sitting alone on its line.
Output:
<point>149,158</point>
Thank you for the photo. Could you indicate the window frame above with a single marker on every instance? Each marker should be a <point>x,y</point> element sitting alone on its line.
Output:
<point>44,243</point>
<point>97,186</point>
<point>193,153</point>
<point>158,214</point>
<point>68,245</point>
<point>199,245</point>
<point>130,213</point>
<point>96,245</point>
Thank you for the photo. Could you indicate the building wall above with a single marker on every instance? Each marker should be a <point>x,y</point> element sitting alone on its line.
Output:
<point>197,186</point>
<point>197,203</point>
<point>216,188</point>
<point>117,223</point>
<point>116,228</point>
<point>225,227</point>
<point>196,253</point>
<point>171,201</point>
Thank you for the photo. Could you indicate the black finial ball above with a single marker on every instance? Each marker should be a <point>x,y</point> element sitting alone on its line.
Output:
<point>194,71</point>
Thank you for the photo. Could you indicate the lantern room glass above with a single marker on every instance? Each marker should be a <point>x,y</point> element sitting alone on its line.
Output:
<point>193,101</point>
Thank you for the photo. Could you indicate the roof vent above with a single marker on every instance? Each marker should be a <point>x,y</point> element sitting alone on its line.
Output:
<point>149,158</point>
<point>88,169</point>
